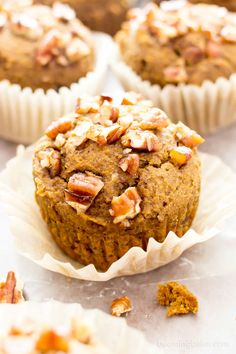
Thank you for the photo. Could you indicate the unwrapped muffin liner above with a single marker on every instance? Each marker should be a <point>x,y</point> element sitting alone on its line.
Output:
<point>19,210</point>
<point>24,113</point>
<point>107,332</point>
<point>204,108</point>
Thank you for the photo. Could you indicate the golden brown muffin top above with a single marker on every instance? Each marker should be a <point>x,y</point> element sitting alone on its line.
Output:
<point>140,132</point>
<point>55,32</point>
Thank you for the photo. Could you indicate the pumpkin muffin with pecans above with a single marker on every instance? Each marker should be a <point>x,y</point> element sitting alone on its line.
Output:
<point>99,15</point>
<point>190,43</point>
<point>43,47</point>
<point>114,174</point>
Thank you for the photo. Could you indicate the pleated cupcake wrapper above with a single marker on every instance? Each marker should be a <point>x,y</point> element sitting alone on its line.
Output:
<point>31,237</point>
<point>25,114</point>
<point>110,335</point>
<point>205,108</point>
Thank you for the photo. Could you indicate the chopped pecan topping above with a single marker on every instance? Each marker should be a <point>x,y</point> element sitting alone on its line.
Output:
<point>81,333</point>
<point>82,190</point>
<point>187,136</point>
<point>60,126</point>
<point>8,291</point>
<point>51,160</point>
<point>155,118</point>
<point>104,98</point>
<point>3,20</point>
<point>108,114</point>
<point>76,50</point>
<point>193,55</point>
<point>48,45</point>
<point>103,135</point>
<point>126,206</point>
<point>51,341</point>
<point>141,140</point>
<point>121,306</point>
<point>130,164</point>
<point>176,74</point>
<point>213,50</point>
<point>26,26</point>
<point>131,99</point>
<point>180,155</point>
<point>228,33</point>
<point>87,105</point>
<point>63,12</point>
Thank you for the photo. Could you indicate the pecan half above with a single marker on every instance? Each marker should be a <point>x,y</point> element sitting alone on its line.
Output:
<point>187,136</point>
<point>141,140</point>
<point>121,306</point>
<point>130,164</point>
<point>51,160</point>
<point>60,126</point>
<point>63,12</point>
<point>26,26</point>
<point>82,190</point>
<point>8,291</point>
<point>126,206</point>
<point>180,155</point>
<point>51,341</point>
<point>155,118</point>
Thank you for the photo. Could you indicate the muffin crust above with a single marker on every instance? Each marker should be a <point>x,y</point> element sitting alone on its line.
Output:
<point>120,174</point>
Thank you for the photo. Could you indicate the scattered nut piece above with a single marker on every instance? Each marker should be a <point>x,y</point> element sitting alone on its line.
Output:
<point>81,332</point>
<point>82,190</point>
<point>131,99</point>
<point>178,299</point>
<point>130,163</point>
<point>187,136</point>
<point>180,155</point>
<point>24,25</point>
<point>51,160</point>
<point>126,206</point>
<point>155,118</point>
<point>51,341</point>
<point>76,50</point>
<point>213,50</point>
<point>140,140</point>
<point>60,126</point>
<point>175,74</point>
<point>63,12</point>
<point>121,306</point>
<point>9,293</point>
<point>49,47</point>
<point>228,33</point>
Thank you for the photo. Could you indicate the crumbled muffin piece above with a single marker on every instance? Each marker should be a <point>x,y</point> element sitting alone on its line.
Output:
<point>121,306</point>
<point>178,299</point>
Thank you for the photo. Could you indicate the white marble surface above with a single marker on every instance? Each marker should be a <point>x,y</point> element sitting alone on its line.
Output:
<point>208,269</point>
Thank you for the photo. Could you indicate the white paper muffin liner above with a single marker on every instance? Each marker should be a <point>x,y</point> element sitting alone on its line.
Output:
<point>25,114</point>
<point>111,335</point>
<point>32,239</point>
<point>204,108</point>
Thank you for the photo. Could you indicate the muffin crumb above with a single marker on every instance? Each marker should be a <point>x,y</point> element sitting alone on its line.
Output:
<point>121,306</point>
<point>178,299</point>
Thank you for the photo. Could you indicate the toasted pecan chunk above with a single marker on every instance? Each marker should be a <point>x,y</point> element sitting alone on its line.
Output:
<point>188,137</point>
<point>60,126</point>
<point>126,206</point>
<point>81,332</point>
<point>130,163</point>
<point>154,119</point>
<point>178,299</point>
<point>180,155</point>
<point>82,190</point>
<point>63,12</point>
<point>140,140</point>
<point>51,160</point>
<point>121,306</point>
<point>51,341</point>
<point>8,291</point>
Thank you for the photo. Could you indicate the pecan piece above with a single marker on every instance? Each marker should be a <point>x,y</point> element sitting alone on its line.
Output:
<point>130,163</point>
<point>87,105</point>
<point>82,190</point>
<point>131,99</point>
<point>49,47</point>
<point>108,113</point>
<point>228,33</point>
<point>213,50</point>
<point>121,306</point>
<point>26,26</point>
<point>155,118</point>
<point>103,135</point>
<point>126,206</point>
<point>180,155</point>
<point>51,341</point>
<point>175,74</point>
<point>9,292</point>
<point>81,332</point>
<point>51,160</point>
<point>60,126</point>
<point>187,136</point>
<point>140,140</point>
<point>193,55</point>
<point>63,12</point>
<point>76,50</point>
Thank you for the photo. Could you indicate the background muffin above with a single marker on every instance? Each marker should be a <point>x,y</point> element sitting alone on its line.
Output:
<point>189,45</point>
<point>113,175</point>
<point>229,4</point>
<point>99,15</point>
<point>43,47</point>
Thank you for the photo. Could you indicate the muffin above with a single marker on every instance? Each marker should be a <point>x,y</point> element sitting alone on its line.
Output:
<point>229,4</point>
<point>43,47</point>
<point>114,174</point>
<point>186,45</point>
<point>99,15</point>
